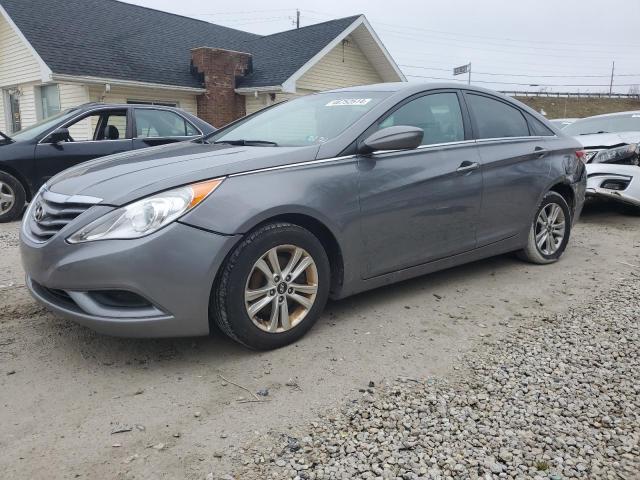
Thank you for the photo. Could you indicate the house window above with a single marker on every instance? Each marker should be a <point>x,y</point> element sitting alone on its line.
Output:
<point>49,100</point>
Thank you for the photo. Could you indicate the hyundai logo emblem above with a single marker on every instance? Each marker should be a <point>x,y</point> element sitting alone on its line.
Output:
<point>38,212</point>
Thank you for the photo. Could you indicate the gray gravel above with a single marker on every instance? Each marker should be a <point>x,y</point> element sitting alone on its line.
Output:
<point>558,398</point>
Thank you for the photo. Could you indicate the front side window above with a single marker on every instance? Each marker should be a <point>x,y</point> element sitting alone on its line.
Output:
<point>607,124</point>
<point>309,120</point>
<point>496,119</point>
<point>152,123</point>
<point>49,100</point>
<point>99,126</point>
<point>438,115</point>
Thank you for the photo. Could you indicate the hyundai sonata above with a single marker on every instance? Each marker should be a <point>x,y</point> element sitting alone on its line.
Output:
<point>255,226</point>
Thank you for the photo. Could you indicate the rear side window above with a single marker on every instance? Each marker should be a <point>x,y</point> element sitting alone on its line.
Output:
<point>496,119</point>
<point>437,114</point>
<point>538,128</point>
<point>152,123</point>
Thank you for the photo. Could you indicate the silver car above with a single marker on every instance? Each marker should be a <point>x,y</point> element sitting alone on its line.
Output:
<point>612,154</point>
<point>254,227</point>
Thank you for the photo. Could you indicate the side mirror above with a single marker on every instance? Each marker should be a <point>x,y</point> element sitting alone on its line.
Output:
<point>59,135</point>
<point>400,137</point>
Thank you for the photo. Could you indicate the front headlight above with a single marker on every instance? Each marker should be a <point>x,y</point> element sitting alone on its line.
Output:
<point>146,216</point>
<point>615,154</point>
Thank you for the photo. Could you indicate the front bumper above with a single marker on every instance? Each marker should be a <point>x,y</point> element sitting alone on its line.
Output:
<point>173,270</point>
<point>615,182</point>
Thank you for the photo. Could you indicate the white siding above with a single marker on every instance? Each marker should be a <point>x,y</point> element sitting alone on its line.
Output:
<point>263,100</point>
<point>17,62</point>
<point>344,66</point>
<point>338,68</point>
<point>186,101</point>
<point>72,95</point>
<point>28,110</point>
<point>3,121</point>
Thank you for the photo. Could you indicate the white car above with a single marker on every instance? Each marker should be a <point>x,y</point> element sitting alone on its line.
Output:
<point>612,155</point>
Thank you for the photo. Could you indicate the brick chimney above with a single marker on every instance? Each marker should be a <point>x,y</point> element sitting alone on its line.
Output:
<point>220,70</point>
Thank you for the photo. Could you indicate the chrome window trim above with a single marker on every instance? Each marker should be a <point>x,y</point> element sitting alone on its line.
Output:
<point>92,141</point>
<point>424,147</point>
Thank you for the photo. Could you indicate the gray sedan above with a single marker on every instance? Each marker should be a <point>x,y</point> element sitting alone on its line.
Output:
<point>254,227</point>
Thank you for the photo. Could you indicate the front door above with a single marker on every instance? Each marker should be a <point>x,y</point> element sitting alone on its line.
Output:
<point>97,134</point>
<point>421,205</point>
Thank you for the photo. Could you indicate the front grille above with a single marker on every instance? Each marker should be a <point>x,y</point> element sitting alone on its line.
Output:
<point>51,212</point>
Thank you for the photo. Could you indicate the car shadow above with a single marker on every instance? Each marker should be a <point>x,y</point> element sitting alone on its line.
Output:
<point>217,348</point>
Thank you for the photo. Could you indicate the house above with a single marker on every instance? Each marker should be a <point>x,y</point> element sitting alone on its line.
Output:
<point>55,54</point>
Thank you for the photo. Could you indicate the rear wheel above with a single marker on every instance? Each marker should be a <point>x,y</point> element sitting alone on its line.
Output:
<point>550,231</point>
<point>12,198</point>
<point>272,288</point>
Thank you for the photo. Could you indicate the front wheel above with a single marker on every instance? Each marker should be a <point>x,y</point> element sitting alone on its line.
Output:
<point>272,288</point>
<point>550,231</point>
<point>12,198</point>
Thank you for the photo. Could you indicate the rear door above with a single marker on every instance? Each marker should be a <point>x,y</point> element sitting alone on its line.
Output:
<point>156,126</point>
<point>94,134</point>
<point>515,166</point>
<point>423,204</point>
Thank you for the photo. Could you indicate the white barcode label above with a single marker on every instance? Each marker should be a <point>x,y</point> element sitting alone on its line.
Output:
<point>348,102</point>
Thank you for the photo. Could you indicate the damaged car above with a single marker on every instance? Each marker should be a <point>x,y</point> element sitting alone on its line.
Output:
<point>612,155</point>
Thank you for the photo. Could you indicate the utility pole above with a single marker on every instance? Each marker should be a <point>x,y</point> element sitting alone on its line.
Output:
<point>613,67</point>
<point>469,80</point>
<point>297,18</point>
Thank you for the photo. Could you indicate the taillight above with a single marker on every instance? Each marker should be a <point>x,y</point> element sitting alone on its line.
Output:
<point>582,155</point>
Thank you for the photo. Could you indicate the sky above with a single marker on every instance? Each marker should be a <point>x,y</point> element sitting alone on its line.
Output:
<point>555,45</point>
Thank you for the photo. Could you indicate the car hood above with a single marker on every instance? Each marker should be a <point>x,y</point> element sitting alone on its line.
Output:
<point>121,178</point>
<point>607,140</point>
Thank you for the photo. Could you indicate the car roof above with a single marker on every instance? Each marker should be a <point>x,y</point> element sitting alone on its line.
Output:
<point>122,105</point>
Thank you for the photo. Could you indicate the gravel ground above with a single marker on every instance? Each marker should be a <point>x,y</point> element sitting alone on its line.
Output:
<point>68,396</point>
<point>558,398</point>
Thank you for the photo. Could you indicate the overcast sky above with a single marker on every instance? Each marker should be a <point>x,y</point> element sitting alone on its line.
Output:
<point>564,43</point>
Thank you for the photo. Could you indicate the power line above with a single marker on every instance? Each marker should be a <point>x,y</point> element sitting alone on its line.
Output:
<point>437,42</point>
<point>524,75</point>
<point>502,39</point>
<point>522,84</point>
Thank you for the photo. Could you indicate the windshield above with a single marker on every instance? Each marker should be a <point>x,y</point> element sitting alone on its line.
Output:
<point>309,120</point>
<point>609,124</point>
<point>42,126</point>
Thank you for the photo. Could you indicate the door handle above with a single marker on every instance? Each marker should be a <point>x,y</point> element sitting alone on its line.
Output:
<point>467,166</point>
<point>541,152</point>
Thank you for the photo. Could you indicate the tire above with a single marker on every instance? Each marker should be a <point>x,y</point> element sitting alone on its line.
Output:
<point>551,250</point>
<point>241,277</point>
<point>12,198</point>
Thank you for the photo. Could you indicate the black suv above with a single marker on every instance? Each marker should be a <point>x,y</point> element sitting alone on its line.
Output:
<point>31,156</point>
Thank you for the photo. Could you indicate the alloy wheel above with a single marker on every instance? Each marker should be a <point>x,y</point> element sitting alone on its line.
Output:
<point>7,197</point>
<point>550,229</point>
<point>281,288</point>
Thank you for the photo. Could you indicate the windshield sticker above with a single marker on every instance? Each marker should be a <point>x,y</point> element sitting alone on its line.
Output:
<point>348,102</point>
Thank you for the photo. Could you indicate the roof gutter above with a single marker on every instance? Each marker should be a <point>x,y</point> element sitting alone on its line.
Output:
<point>256,90</point>
<point>56,77</point>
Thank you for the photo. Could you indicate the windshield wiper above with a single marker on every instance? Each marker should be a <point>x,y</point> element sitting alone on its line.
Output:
<point>248,143</point>
<point>594,133</point>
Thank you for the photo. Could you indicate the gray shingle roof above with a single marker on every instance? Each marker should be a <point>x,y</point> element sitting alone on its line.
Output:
<point>117,40</point>
<point>276,57</point>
